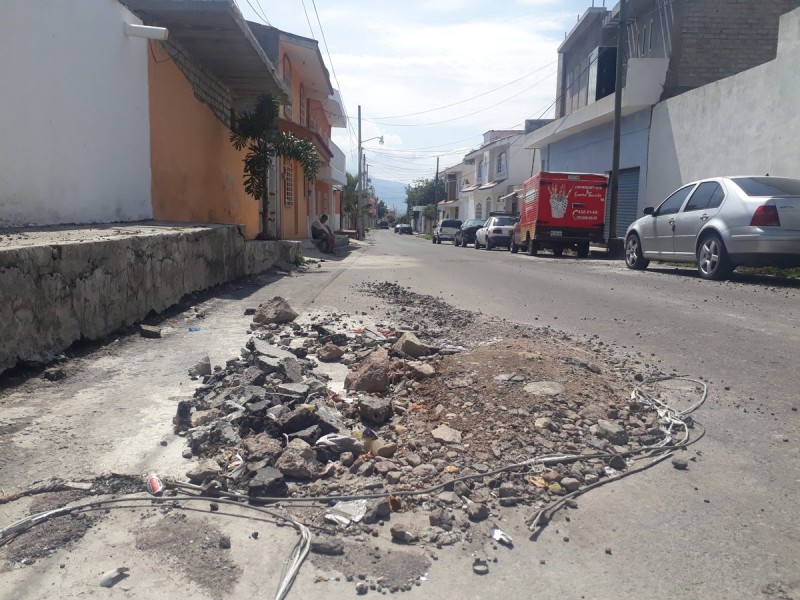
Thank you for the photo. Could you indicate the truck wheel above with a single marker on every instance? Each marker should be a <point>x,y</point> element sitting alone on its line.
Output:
<point>531,248</point>
<point>583,250</point>
<point>513,247</point>
<point>558,251</point>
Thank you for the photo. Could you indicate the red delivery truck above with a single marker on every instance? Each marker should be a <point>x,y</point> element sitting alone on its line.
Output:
<point>561,210</point>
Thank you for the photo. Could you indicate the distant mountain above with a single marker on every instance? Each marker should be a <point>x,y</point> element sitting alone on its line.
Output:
<point>393,193</point>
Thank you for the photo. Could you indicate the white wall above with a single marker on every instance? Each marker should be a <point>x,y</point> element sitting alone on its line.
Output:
<point>591,151</point>
<point>74,124</point>
<point>747,124</point>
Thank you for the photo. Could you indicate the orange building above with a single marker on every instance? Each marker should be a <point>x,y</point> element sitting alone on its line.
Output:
<point>211,66</point>
<point>315,108</point>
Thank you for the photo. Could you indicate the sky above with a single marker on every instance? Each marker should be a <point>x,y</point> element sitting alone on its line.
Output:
<point>431,76</point>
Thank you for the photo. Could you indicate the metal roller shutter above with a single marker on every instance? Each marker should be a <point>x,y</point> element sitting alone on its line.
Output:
<point>627,200</point>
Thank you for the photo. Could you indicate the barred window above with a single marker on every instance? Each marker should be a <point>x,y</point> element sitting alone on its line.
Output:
<point>478,211</point>
<point>288,185</point>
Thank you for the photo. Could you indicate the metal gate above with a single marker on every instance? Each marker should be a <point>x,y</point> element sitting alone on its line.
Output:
<point>627,201</point>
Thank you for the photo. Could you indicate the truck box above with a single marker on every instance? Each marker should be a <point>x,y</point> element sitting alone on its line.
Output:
<point>561,210</point>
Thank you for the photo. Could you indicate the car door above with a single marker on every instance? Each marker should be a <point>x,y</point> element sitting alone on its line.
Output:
<point>658,231</point>
<point>701,206</point>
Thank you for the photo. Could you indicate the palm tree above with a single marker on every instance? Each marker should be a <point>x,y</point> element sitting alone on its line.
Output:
<point>350,199</point>
<point>257,130</point>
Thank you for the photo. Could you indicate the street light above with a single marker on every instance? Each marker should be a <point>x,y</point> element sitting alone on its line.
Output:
<point>359,185</point>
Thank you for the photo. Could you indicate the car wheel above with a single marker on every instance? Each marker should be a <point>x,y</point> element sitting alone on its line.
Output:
<point>476,245</point>
<point>557,251</point>
<point>489,245</point>
<point>583,250</point>
<point>634,255</point>
<point>712,258</point>
<point>513,247</point>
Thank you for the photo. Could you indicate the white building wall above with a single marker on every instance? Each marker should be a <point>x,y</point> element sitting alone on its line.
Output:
<point>74,125</point>
<point>747,124</point>
<point>591,151</point>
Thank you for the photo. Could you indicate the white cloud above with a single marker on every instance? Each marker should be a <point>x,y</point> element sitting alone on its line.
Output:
<point>396,58</point>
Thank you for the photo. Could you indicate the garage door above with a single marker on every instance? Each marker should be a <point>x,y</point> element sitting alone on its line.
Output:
<point>627,200</point>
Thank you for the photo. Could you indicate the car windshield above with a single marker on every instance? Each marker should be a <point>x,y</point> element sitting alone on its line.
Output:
<point>768,186</point>
<point>451,223</point>
<point>504,220</point>
<point>474,223</point>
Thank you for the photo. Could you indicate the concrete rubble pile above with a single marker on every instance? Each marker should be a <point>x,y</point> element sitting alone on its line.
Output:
<point>268,424</point>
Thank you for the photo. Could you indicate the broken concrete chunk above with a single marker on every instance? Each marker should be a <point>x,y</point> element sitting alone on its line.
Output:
<point>372,375</point>
<point>477,511</point>
<point>267,482</point>
<point>298,419</point>
<point>327,546</point>
<point>261,446</point>
<point>298,460</point>
<point>201,368</point>
<point>276,310</point>
<point>148,331</point>
<point>544,388</point>
<point>403,534</point>
<point>330,352</point>
<point>204,470</point>
<point>421,370</point>
<point>613,432</point>
<point>410,344</point>
<point>375,410</point>
<point>446,435</point>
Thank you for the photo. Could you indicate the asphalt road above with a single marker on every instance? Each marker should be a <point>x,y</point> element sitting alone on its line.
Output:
<point>731,527</point>
<point>727,528</point>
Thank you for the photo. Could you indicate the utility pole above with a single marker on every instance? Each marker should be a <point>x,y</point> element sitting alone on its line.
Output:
<point>359,188</point>
<point>435,190</point>
<point>614,197</point>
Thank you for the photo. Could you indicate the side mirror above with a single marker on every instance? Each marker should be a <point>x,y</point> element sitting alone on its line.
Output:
<point>649,210</point>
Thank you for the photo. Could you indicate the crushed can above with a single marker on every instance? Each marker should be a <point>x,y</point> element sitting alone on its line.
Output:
<point>155,486</point>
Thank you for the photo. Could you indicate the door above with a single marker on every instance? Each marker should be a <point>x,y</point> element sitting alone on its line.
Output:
<point>659,229</point>
<point>627,202</point>
<point>701,206</point>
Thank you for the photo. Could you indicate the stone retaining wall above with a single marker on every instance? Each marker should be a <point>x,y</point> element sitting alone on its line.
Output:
<point>54,294</point>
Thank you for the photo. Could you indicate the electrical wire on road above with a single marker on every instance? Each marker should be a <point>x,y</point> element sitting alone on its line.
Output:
<point>673,423</point>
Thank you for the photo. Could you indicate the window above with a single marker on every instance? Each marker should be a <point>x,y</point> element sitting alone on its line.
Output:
<point>478,211</point>
<point>673,204</point>
<point>501,163</point>
<point>479,174</point>
<point>302,105</point>
<point>287,79</point>
<point>703,195</point>
<point>288,185</point>
<point>768,186</point>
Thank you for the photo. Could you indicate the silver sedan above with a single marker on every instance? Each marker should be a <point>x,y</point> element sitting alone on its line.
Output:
<point>719,224</point>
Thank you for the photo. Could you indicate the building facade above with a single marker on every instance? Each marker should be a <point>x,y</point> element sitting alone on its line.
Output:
<point>314,108</point>
<point>671,47</point>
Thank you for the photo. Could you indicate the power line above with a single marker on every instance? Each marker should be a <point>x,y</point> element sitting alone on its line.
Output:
<point>311,29</point>
<point>467,115</point>
<point>422,112</point>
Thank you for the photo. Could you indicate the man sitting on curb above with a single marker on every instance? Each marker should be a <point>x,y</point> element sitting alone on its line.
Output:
<point>321,230</point>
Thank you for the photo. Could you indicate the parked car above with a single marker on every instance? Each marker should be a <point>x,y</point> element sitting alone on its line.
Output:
<point>466,233</point>
<point>397,228</point>
<point>383,225</point>
<point>405,228</point>
<point>720,223</point>
<point>446,230</point>
<point>495,232</point>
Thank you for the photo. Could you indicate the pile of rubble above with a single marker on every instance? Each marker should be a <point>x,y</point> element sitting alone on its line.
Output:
<point>422,422</point>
